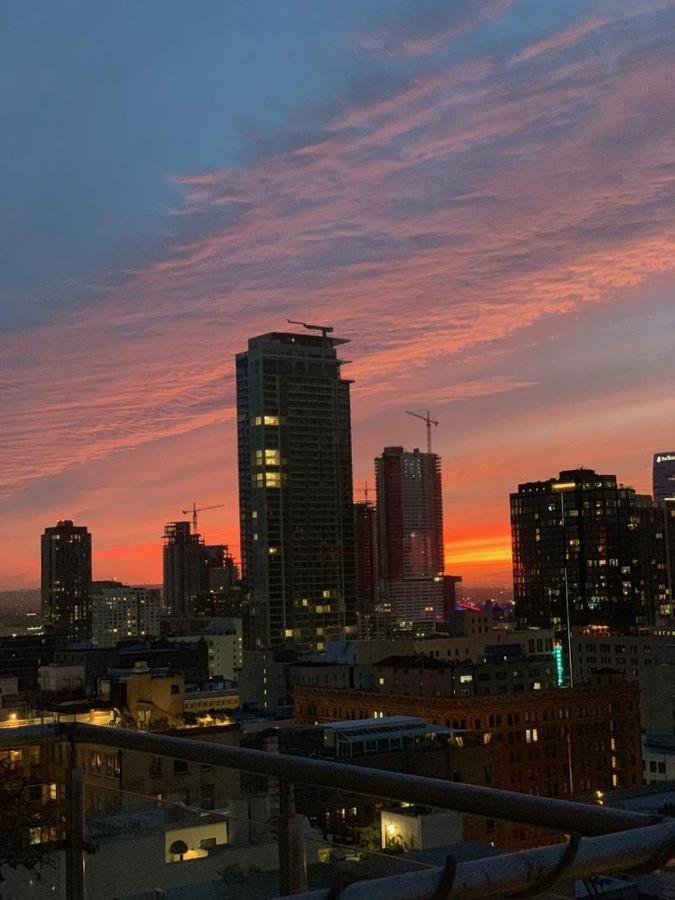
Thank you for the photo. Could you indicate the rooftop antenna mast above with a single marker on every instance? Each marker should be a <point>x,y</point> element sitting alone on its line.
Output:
<point>324,329</point>
<point>428,421</point>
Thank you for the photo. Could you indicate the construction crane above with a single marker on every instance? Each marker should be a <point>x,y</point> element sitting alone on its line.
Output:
<point>365,490</point>
<point>197,509</point>
<point>428,421</point>
<point>324,329</point>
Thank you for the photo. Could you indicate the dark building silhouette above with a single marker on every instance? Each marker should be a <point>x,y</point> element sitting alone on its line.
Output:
<point>585,542</point>
<point>295,489</point>
<point>663,475</point>
<point>668,520</point>
<point>185,570</point>
<point>365,526</point>
<point>66,579</point>
<point>410,533</point>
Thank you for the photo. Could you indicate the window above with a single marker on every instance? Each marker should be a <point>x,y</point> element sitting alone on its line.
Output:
<point>156,767</point>
<point>531,736</point>
<point>180,767</point>
<point>175,689</point>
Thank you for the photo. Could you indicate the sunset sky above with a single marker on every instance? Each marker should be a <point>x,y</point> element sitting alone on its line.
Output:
<point>480,195</point>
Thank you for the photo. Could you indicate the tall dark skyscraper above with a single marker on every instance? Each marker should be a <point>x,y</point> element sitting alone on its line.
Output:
<point>185,570</point>
<point>295,489</point>
<point>365,523</point>
<point>66,579</point>
<point>581,541</point>
<point>410,532</point>
<point>663,478</point>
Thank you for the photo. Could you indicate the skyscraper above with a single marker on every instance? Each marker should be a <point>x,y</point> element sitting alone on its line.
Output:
<point>184,569</point>
<point>66,579</point>
<point>587,546</point>
<point>410,532</point>
<point>365,524</point>
<point>664,475</point>
<point>295,489</point>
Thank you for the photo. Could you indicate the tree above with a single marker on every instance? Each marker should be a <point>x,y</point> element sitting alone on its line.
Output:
<point>23,817</point>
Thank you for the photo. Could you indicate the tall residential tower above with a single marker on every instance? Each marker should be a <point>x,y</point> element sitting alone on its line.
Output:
<point>295,489</point>
<point>410,533</point>
<point>66,579</point>
<point>587,546</point>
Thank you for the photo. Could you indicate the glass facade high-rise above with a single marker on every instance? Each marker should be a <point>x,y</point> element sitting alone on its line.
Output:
<point>66,579</point>
<point>410,533</point>
<point>663,475</point>
<point>583,543</point>
<point>295,490</point>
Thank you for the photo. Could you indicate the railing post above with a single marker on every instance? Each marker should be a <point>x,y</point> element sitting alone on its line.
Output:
<point>292,862</point>
<point>74,827</point>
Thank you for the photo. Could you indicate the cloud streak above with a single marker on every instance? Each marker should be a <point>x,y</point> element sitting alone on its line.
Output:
<point>464,204</point>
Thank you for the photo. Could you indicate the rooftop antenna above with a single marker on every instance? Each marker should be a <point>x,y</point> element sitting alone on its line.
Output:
<point>428,421</point>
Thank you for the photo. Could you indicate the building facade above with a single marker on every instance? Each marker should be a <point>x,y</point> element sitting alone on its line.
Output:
<point>365,527</point>
<point>184,569</point>
<point>120,612</point>
<point>66,579</point>
<point>295,490</point>
<point>410,533</point>
<point>587,549</point>
<point>663,476</point>
<point>562,742</point>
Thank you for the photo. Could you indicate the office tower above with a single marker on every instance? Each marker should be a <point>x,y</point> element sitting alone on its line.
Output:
<point>120,612</point>
<point>184,569</point>
<point>663,476</point>
<point>668,521</point>
<point>66,579</point>
<point>410,533</point>
<point>295,489</point>
<point>587,546</point>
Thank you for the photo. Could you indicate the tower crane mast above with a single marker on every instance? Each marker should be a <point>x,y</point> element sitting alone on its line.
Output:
<point>428,422</point>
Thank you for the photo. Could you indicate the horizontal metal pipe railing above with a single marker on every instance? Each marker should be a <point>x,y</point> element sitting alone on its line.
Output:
<point>521,872</point>
<point>560,815</point>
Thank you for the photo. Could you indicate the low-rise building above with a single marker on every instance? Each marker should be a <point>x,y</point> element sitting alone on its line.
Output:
<point>559,742</point>
<point>424,676</point>
<point>224,638</point>
<point>120,612</point>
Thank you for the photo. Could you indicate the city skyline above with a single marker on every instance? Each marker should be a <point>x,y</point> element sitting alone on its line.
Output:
<point>436,187</point>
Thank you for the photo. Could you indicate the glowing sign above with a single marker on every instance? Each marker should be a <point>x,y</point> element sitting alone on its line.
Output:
<point>666,457</point>
<point>559,665</point>
<point>563,485</point>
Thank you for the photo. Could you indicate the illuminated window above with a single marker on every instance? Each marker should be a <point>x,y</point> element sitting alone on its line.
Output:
<point>531,736</point>
<point>272,479</point>
<point>271,420</point>
<point>464,679</point>
<point>272,551</point>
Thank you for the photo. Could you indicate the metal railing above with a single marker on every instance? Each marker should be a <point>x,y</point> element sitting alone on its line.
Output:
<point>613,839</point>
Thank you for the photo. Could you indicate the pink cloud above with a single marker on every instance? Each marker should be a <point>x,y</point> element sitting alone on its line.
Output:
<point>437,222</point>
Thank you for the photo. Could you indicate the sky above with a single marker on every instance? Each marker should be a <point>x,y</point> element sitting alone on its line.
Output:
<point>479,194</point>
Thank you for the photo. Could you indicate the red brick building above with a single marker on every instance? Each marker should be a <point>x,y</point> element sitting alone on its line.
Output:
<point>561,742</point>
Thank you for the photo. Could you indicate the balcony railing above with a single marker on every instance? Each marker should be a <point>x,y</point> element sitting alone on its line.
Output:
<point>601,839</point>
